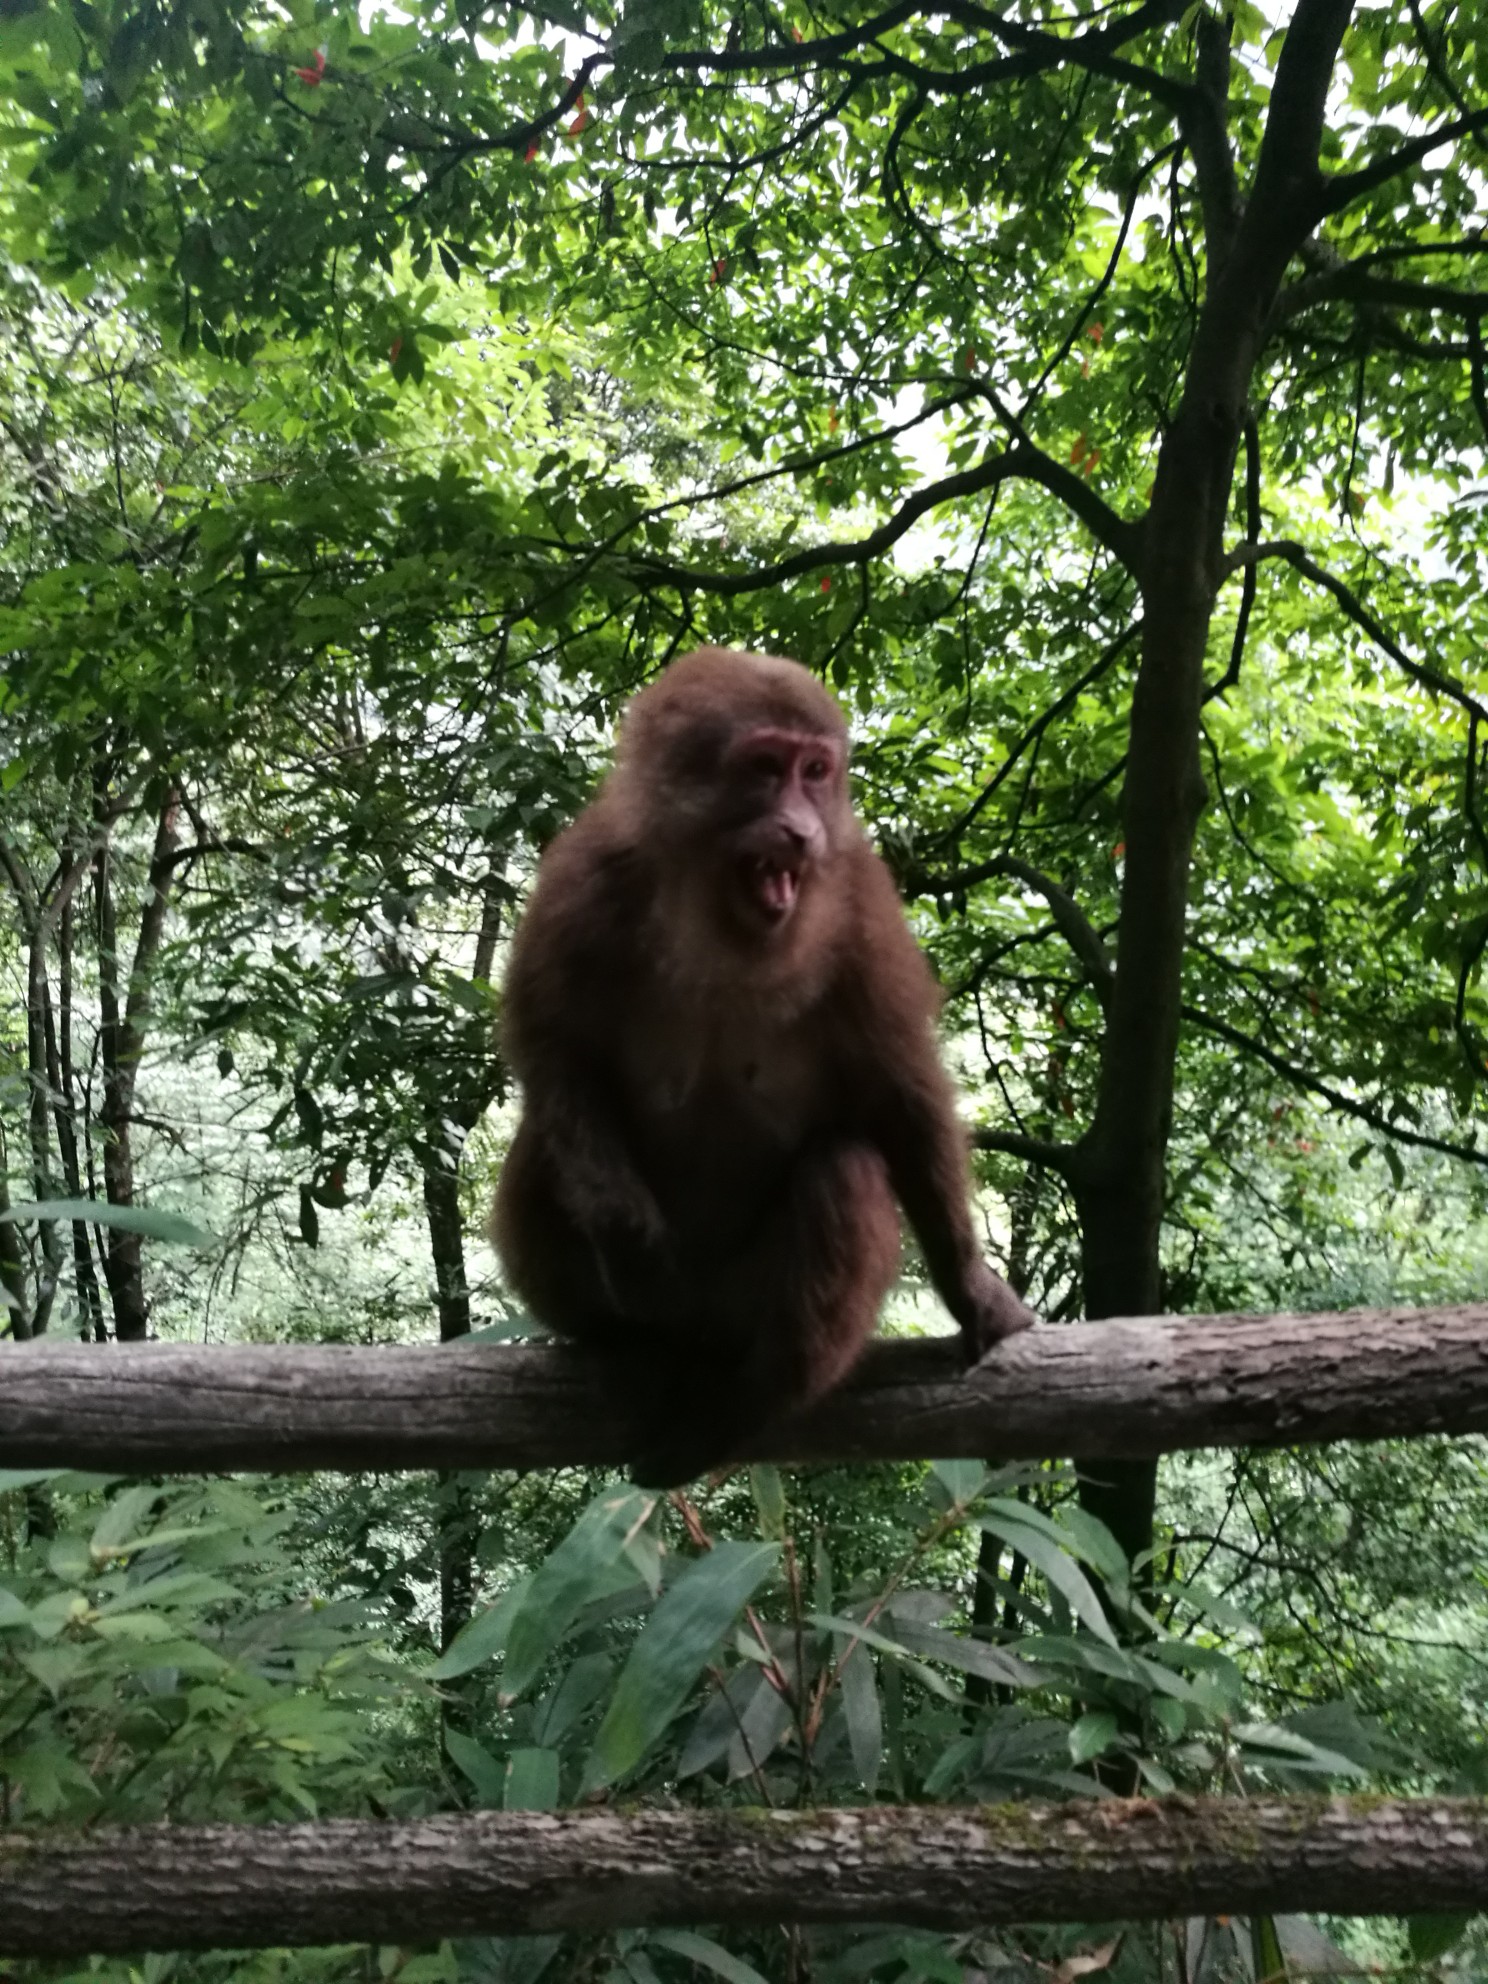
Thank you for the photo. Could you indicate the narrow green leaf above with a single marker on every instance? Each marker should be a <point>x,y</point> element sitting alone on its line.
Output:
<point>149,1220</point>
<point>485,1772</point>
<point>481,1638</point>
<point>769,1499</point>
<point>864,1716</point>
<point>712,1956</point>
<point>532,1781</point>
<point>1056,1565</point>
<point>578,1571</point>
<point>674,1646</point>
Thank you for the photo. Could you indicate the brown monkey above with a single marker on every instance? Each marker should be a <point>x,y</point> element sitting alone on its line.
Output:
<point>724,1033</point>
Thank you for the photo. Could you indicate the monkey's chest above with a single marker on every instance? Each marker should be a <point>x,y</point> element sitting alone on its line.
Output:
<point>720,1124</point>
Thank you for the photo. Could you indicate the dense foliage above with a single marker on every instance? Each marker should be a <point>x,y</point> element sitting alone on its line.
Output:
<point>1100,402</point>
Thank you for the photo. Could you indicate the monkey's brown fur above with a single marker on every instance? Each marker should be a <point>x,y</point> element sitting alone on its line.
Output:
<point>725,1037</point>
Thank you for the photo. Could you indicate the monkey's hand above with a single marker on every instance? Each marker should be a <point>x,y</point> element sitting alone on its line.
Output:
<point>634,1249</point>
<point>992,1312</point>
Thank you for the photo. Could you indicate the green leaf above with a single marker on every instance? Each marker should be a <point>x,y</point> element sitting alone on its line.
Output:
<point>703,1950</point>
<point>675,1644</point>
<point>485,1772</point>
<point>120,1519</point>
<point>961,1480</point>
<point>1431,1936</point>
<point>1056,1565</point>
<point>13,1612</point>
<point>864,1715</point>
<point>532,1781</point>
<point>769,1499</point>
<point>154,1224</point>
<point>584,1681</point>
<point>1092,1735</point>
<point>579,1570</point>
<point>480,1639</point>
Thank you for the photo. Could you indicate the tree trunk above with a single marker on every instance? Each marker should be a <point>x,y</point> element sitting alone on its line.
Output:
<point>122,1035</point>
<point>64,1111</point>
<point>456,1524</point>
<point>1119,1179</point>
<point>17,1317</point>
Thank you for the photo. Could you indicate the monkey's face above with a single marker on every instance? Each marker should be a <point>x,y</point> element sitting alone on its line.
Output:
<point>780,794</point>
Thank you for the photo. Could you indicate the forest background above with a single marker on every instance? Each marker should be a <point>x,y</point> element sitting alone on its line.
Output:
<point>1098,399</point>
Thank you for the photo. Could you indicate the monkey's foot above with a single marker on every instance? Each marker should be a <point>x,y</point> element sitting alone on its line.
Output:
<point>672,1465</point>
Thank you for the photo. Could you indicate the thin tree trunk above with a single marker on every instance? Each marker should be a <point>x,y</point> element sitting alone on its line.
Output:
<point>452,1296</point>
<point>64,1112</point>
<point>1119,1179</point>
<point>122,1035</point>
<point>17,1317</point>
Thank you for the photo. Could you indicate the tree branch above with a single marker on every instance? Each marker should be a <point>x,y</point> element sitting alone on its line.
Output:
<point>1302,1078</point>
<point>1302,561</point>
<point>1345,187</point>
<point>1349,283</point>
<point>1069,919</point>
<point>1035,731</point>
<point>1022,461</point>
<point>1063,1158</point>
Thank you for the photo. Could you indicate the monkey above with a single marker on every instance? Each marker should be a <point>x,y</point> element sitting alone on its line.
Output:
<point>724,1033</point>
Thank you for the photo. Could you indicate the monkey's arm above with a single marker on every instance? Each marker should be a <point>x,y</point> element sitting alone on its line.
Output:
<point>925,1149</point>
<point>559,1016</point>
<point>912,1119</point>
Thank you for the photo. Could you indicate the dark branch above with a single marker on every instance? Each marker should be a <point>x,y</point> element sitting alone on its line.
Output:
<point>1023,461</point>
<point>1303,1078</point>
<point>1063,1158</point>
<point>1035,731</point>
<point>1070,920</point>
<point>1345,187</point>
<point>1359,613</point>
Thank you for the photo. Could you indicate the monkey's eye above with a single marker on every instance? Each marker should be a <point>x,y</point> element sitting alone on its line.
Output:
<point>815,770</point>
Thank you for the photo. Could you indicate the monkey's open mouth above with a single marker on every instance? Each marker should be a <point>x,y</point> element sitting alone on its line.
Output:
<point>774,887</point>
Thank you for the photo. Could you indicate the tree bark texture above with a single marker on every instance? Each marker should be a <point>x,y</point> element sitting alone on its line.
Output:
<point>1120,1185</point>
<point>942,1867</point>
<point>1122,1389</point>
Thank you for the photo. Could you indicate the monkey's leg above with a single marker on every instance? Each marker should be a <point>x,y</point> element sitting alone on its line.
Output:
<point>783,1319</point>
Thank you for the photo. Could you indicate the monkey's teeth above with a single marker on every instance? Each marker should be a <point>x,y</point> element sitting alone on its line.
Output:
<point>777,887</point>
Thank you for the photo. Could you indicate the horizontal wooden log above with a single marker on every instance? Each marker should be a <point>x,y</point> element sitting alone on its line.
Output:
<point>1120,1389</point>
<point>939,1867</point>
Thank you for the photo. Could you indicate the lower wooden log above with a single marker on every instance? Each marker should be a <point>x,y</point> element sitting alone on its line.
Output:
<point>945,1867</point>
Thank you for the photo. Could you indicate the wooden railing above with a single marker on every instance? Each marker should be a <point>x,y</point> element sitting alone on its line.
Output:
<point>1111,1389</point>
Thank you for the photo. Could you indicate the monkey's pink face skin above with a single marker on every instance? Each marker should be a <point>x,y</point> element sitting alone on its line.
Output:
<point>782,791</point>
